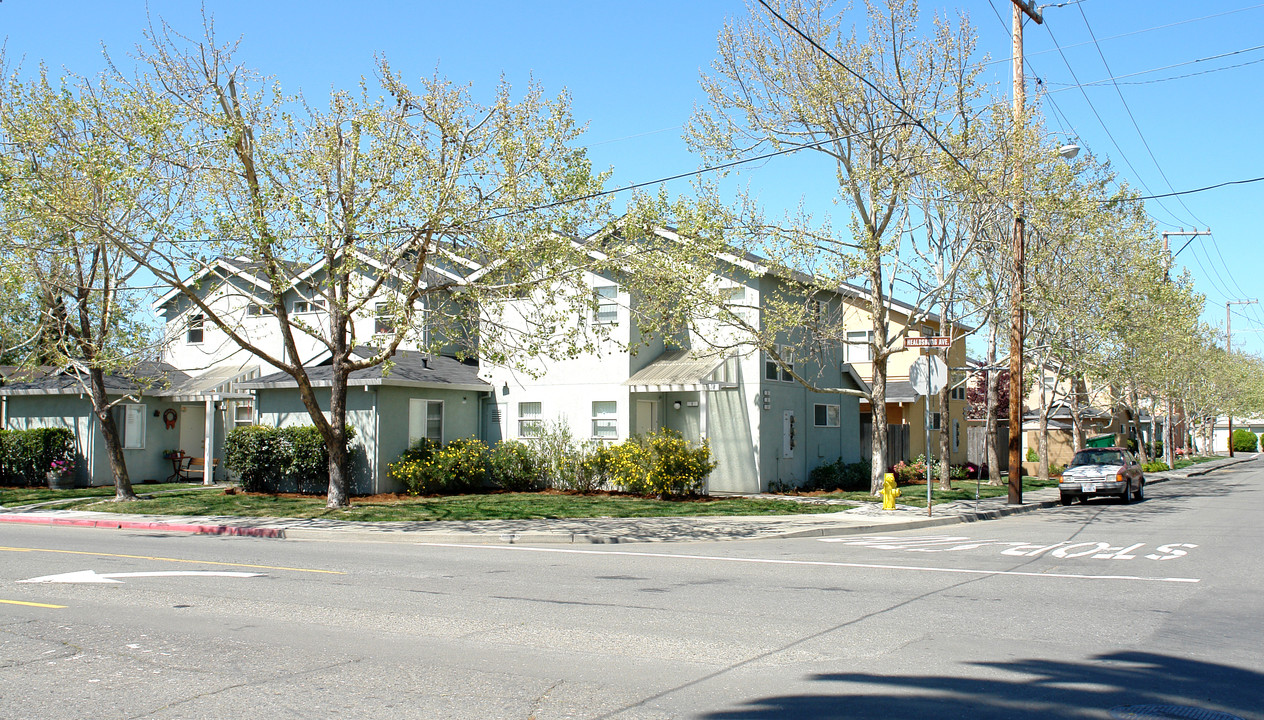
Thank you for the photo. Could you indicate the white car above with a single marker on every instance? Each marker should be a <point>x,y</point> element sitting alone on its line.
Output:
<point>1096,472</point>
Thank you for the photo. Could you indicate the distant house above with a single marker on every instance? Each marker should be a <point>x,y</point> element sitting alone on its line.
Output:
<point>159,409</point>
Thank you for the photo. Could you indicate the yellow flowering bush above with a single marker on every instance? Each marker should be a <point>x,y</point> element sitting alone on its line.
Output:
<point>428,469</point>
<point>661,463</point>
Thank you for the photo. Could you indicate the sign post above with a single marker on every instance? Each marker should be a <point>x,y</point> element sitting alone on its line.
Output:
<point>927,375</point>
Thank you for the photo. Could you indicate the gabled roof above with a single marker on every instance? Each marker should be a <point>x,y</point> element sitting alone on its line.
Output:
<point>407,369</point>
<point>147,378</point>
<point>223,267</point>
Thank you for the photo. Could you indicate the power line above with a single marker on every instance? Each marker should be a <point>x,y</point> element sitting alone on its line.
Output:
<point>1133,118</point>
<point>1102,122</point>
<point>1116,78</point>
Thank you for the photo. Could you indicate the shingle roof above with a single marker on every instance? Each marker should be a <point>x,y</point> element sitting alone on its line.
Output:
<point>148,378</point>
<point>407,369</point>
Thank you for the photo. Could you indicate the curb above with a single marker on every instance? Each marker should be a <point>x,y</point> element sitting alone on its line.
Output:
<point>146,525</point>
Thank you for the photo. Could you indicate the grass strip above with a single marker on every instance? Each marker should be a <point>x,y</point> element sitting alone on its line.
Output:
<point>495,506</point>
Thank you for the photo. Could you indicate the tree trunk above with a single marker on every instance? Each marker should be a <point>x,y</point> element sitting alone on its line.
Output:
<point>993,396</point>
<point>1077,422</point>
<point>878,388</point>
<point>109,432</point>
<point>1135,415</point>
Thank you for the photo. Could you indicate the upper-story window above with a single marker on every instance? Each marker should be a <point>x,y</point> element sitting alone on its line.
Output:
<point>383,320</point>
<point>254,310</point>
<point>309,305</point>
<point>860,346</point>
<point>780,371</point>
<point>607,309</point>
<point>194,333</point>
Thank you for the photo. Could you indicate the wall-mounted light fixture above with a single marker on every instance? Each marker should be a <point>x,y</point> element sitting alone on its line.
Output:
<point>676,405</point>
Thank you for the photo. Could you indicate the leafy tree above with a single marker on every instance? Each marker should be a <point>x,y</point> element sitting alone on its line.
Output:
<point>392,189</point>
<point>873,108</point>
<point>75,186</point>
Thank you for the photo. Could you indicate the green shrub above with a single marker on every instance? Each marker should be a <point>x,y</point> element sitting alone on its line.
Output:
<point>1032,455</point>
<point>661,463</point>
<point>289,459</point>
<point>1244,440</point>
<point>1157,466</point>
<point>27,455</point>
<point>515,466</point>
<point>1056,469</point>
<point>460,466</point>
<point>838,475</point>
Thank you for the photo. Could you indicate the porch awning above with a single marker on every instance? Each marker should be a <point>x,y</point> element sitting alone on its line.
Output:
<point>217,383</point>
<point>677,371</point>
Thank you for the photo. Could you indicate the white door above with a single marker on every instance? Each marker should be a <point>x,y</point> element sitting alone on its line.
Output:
<point>192,429</point>
<point>646,416</point>
<point>787,434</point>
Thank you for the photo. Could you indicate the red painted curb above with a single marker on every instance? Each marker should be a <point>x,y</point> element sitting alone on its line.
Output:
<point>149,525</point>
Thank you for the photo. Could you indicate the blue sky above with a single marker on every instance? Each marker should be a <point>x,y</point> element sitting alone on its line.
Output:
<point>632,71</point>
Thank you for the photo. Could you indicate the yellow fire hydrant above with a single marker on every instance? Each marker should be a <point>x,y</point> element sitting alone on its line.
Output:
<point>889,492</point>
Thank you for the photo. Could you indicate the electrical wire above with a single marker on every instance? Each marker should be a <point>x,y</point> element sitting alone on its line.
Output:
<point>1145,143</point>
<point>1116,78</point>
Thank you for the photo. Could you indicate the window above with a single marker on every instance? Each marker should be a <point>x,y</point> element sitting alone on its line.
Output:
<point>254,310</point>
<point>425,420</point>
<point>935,421</point>
<point>130,421</point>
<point>605,419</point>
<point>243,414</point>
<point>859,346</point>
<point>957,393</point>
<point>827,415</point>
<point>310,305</point>
<point>383,321</point>
<point>607,309</point>
<point>195,333</point>
<point>774,371</point>
<point>529,419</point>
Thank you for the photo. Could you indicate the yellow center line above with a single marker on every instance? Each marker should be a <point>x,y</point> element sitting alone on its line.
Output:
<point>167,559</point>
<point>31,604</point>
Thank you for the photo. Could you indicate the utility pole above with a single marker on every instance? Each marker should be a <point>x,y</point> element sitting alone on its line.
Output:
<point>1229,351</point>
<point>1016,331</point>
<point>1169,433</point>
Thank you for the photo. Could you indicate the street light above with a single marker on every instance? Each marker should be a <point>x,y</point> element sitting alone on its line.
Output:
<point>1069,151</point>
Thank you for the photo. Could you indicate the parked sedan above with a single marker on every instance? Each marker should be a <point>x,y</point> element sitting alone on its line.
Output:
<point>1097,472</point>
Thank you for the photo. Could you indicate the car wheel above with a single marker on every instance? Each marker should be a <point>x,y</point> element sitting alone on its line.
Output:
<point>1139,495</point>
<point>1066,499</point>
<point>1126,497</point>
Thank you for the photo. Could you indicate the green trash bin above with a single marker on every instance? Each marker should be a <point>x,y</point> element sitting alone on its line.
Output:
<point>1100,441</point>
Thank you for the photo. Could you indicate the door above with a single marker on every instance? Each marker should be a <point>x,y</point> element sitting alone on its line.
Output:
<point>646,417</point>
<point>192,429</point>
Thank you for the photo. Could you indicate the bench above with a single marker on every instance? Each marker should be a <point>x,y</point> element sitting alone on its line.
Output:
<point>198,465</point>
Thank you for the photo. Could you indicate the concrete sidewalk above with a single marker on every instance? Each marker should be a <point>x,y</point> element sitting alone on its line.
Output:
<point>868,518</point>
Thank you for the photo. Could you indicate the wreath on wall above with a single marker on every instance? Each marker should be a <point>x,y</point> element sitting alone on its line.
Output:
<point>169,417</point>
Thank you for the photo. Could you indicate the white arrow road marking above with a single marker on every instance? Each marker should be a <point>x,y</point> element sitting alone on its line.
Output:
<point>90,576</point>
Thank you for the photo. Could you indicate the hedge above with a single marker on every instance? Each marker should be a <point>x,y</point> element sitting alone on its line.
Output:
<point>27,455</point>
<point>1244,440</point>
<point>288,459</point>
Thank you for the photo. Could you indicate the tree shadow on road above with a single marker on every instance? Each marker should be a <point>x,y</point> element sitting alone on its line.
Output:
<point>1041,688</point>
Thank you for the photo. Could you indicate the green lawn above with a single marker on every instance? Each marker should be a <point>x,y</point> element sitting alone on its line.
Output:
<point>915,495</point>
<point>497,506</point>
<point>13,497</point>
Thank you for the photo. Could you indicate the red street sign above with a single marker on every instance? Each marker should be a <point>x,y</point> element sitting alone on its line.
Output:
<point>932,341</point>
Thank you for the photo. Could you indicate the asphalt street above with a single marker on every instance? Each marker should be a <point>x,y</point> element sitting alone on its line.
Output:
<point>1095,610</point>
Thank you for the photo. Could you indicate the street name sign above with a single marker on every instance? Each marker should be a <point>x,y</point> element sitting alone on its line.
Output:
<point>928,341</point>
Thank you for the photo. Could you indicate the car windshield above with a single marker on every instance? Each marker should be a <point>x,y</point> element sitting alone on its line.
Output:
<point>1098,457</point>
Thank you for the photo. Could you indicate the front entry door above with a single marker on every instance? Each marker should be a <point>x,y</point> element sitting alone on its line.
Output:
<point>646,417</point>
<point>192,429</point>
